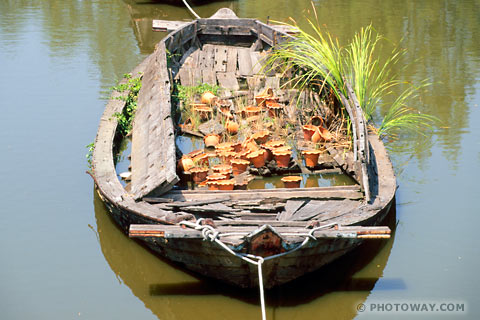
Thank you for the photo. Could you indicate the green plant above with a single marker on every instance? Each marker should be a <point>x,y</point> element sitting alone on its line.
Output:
<point>187,94</point>
<point>131,87</point>
<point>320,64</point>
<point>89,155</point>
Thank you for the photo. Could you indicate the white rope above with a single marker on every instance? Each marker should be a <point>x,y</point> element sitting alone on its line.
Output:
<point>191,10</point>
<point>209,233</point>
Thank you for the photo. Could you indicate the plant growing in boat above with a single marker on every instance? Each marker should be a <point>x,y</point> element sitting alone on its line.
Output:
<point>321,65</point>
<point>89,155</point>
<point>131,87</point>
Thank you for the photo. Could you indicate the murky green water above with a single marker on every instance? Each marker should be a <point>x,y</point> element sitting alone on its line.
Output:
<point>62,258</point>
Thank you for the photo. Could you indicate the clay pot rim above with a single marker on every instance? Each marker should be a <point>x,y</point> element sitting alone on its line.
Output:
<point>315,151</point>
<point>193,153</point>
<point>281,152</point>
<point>273,143</point>
<point>255,154</point>
<point>216,176</point>
<point>309,127</point>
<point>291,179</point>
<point>226,182</point>
<point>239,161</point>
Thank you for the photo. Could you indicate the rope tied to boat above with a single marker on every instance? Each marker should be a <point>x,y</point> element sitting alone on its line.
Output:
<point>191,10</point>
<point>209,233</point>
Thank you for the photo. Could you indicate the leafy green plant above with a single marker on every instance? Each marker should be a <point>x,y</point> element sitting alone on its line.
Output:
<point>131,88</point>
<point>89,155</point>
<point>187,94</point>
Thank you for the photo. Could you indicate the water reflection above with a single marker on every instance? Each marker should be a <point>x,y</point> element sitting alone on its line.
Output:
<point>166,289</point>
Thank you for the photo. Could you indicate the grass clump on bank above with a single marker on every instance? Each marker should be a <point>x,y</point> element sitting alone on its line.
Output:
<point>320,63</point>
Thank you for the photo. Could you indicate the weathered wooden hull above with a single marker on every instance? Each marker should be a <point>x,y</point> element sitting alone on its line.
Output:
<point>195,253</point>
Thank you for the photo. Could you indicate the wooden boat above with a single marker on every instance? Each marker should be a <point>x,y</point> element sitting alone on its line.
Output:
<point>234,236</point>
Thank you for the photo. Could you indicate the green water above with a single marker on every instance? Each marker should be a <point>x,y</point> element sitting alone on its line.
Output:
<point>62,258</point>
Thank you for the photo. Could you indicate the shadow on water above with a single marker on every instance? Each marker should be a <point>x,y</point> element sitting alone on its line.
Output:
<point>165,288</point>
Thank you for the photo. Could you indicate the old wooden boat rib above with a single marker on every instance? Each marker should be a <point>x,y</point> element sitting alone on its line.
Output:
<point>261,223</point>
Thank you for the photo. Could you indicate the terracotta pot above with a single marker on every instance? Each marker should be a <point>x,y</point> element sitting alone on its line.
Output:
<point>316,121</point>
<point>268,155</point>
<point>232,127</point>
<point>187,125</point>
<point>261,136</point>
<point>243,154</point>
<point>194,153</point>
<point>212,185</point>
<point>237,146</point>
<point>251,111</point>
<point>225,184</point>
<point>222,168</point>
<point>217,176</point>
<point>226,156</point>
<point>308,131</point>
<point>208,97</point>
<point>292,181</point>
<point>201,159</point>
<point>199,174</point>
<point>260,99</point>
<point>257,158</point>
<point>250,145</point>
<point>271,101</point>
<point>326,135</point>
<point>311,157</point>
<point>211,140</point>
<point>275,110</point>
<point>239,166</point>
<point>317,136</point>
<point>282,158</point>
<point>223,105</point>
<point>275,143</point>
<point>225,114</point>
<point>185,163</point>
<point>224,147</point>
<point>205,112</point>
<point>241,185</point>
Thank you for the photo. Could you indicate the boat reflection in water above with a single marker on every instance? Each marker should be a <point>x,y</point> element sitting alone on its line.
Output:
<point>169,292</point>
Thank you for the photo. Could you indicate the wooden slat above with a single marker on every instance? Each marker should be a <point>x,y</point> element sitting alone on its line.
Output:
<point>220,62</point>
<point>244,62</point>
<point>344,192</point>
<point>153,145</point>
<point>165,231</point>
<point>232,53</point>
<point>228,80</point>
<point>290,208</point>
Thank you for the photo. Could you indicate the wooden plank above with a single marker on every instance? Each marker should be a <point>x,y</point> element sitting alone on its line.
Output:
<point>166,231</point>
<point>167,25</point>
<point>257,64</point>
<point>290,208</point>
<point>209,76</point>
<point>181,204</point>
<point>213,209</point>
<point>232,54</point>
<point>244,62</point>
<point>284,194</point>
<point>153,145</point>
<point>220,62</point>
<point>228,80</point>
